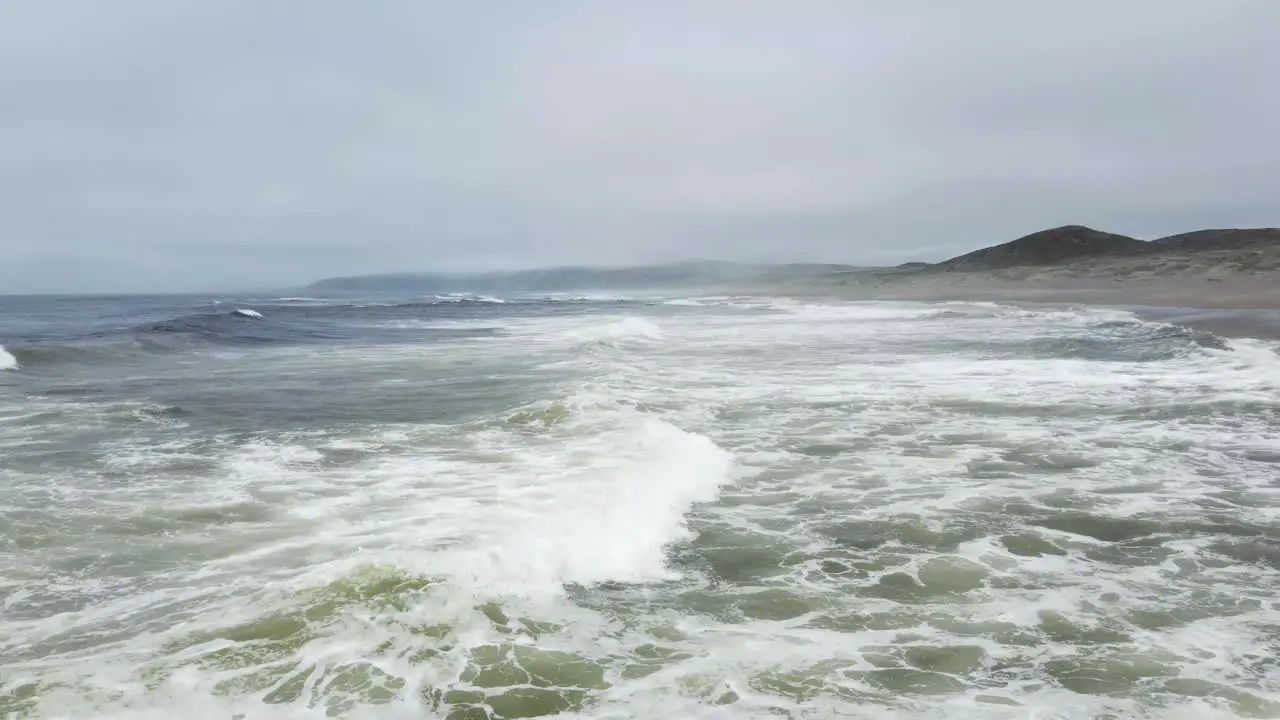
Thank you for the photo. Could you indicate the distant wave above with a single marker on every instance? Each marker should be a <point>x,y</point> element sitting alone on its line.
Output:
<point>35,356</point>
<point>1129,341</point>
<point>443,301</point>
<point>237,327</point>
<point>262,322</point>
<point>176,334</point>
<point>241,327</point>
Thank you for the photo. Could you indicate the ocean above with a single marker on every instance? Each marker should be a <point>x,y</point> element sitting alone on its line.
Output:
<point>663,505</point>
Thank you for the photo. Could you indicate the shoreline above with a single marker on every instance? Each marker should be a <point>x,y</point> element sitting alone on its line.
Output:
<point>1239,305</point>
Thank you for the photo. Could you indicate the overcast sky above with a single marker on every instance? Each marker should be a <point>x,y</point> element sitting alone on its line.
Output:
<point>160,145</point>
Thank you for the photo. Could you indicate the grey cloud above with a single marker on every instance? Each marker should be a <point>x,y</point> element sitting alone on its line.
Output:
<point>181,144</point>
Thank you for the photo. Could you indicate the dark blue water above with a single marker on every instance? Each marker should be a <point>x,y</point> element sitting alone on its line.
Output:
<point>197,357</point>
<point>43,330</point>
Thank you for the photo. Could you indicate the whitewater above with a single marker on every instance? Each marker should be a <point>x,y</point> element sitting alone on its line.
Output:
<point>658,506</point>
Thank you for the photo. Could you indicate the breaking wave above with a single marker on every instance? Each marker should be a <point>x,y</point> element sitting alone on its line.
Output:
<point>624,331</point>
<point>1129,341</point>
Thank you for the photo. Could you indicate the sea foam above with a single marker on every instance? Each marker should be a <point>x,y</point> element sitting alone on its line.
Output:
<point>607,514</point>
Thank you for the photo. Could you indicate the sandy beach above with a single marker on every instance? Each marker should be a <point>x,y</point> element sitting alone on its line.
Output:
<point>1230,293</point>
<point>1221,291</point>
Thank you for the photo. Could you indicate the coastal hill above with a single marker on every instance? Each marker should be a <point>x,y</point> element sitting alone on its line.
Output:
<point>1074,243</point>
<point>1220,268</point>
<point>1202,240</point>
<point>1048,247</point>
<point>687,274</point>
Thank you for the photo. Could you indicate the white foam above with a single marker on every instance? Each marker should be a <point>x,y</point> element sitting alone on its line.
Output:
<point>7,360</point>
<point>247,313</point>
<point>607,516</point>
<point>467,297</point>
<point>629,328</point>
<point>310,301</point>
<point>1260,355</point>
<point>736,302</point>
<point>586,297</point>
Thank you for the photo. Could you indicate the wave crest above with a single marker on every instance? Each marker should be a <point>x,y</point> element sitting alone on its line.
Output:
<point>608,517</point>
<point>627,330</point>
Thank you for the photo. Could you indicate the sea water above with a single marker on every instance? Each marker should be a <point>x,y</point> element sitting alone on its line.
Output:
<point>664,506</point>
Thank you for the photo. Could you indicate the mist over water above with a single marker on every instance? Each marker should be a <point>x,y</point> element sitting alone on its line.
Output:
<point>649,507</point>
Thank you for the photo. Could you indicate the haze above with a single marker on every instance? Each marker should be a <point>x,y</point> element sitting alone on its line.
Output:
<point>171,145</point>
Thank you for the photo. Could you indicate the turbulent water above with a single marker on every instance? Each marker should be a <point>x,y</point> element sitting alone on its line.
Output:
<point>657,507</point>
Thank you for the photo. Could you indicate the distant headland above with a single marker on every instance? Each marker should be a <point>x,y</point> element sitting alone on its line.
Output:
<point>686,274</point>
